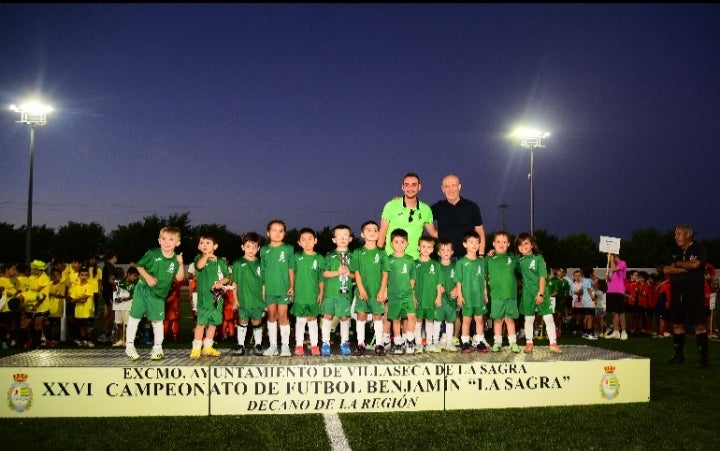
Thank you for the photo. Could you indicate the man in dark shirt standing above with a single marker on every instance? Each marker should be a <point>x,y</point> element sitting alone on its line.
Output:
<point>456,215</point>
<point>687,293</point>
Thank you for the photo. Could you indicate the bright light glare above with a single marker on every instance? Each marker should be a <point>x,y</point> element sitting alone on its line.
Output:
<point>33,107</point>
<point>530,137</point>
<point>33,112</point>
<point>530,133</point>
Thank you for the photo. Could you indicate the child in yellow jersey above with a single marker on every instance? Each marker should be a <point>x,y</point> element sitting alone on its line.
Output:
<point>57,297</point>
<point>9,303</point>
<point>81,295</point>
<point>37,302</point>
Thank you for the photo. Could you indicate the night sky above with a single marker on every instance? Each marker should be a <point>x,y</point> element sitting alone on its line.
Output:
<point>239,114</point>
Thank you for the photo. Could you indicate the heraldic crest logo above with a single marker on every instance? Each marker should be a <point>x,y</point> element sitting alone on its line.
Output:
<point>20,395</point>
<point>609,384</point>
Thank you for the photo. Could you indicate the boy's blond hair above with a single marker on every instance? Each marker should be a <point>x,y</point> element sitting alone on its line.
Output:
<point>171,230</point>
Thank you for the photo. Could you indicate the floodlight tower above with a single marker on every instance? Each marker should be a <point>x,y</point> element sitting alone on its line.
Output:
<point>531,139</point>
<point>504,207</point>
<point>32,114</point>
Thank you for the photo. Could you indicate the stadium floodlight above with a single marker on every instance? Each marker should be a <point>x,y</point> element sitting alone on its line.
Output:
<point>32,114</point>
<point>531,139</point>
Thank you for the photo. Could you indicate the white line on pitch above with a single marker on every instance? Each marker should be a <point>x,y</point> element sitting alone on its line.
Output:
<point>333,427</point>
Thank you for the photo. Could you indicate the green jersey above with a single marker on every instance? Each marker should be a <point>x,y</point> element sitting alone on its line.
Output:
<point>428,277</point>
<point>276,262</point>
<point>335,288</point>
<point>247,275</point>
<point>160,267</point>
<point>559,286</point>
<point>308,275</point>
<point>532,268</point>
<point>370,263</point>
<point>207,276</point>
<point>502,276</point>
<point>449,281</point>
<point>400,278</point>
<point>471,275</point>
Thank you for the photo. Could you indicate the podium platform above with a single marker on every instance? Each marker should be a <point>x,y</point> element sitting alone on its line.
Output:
<point>103,382</point>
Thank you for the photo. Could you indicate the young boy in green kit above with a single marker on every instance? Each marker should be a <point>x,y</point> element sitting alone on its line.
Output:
<point>309,291</point>
<point>429,287</point>
<point>448,308</point>
<point>212,276</point>
<point>472,298</point>
<point>338,289</point>
<point>535,294</point>
<point>370,264</point>
<point>157,269</point>
<point>277,263</point>
<point>250,305</point>
<point>502,283</point>
<point>402,303</point>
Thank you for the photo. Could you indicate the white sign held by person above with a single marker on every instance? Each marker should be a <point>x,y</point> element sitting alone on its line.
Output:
<point>609,244</point>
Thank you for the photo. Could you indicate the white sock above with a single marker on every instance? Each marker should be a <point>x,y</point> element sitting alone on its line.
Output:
<point>326,326</point>
<point>300,323</point>
<point>479,338</point>
<point>158,333</point>
<point>207,343</point>
<point>285,334</point>
<point>430,332</point>
<point>360,332</point>
<point>410,337</point>
<point>272,333</point>
<point>498,340</point>
<point>449,332</point>
<point>378,326</point>
<point>436,332</point>
<point>257,335</point>
<point>197,344</point>
<point>344,331</point>
<point>131,331</point>
<point>418,329</point>
<point>465,339</point>
<point>313,332</point>
<point>529,327</point>
<point>550,326</point>
<point>241,334</point>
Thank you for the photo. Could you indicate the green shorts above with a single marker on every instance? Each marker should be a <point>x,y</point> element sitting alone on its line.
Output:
<point>504,308</point>
<point>400,308</point>
<point>338,307</point>
<point>210,316</point>
<point>280,299</point>
<point>426,313</point>
<point>474,307</point>
<point>146,303</point>
<point>447,312</point>
<point>370,306</point>
<point>255,314</point>
<point>528,307</point>
<point>305,310</point>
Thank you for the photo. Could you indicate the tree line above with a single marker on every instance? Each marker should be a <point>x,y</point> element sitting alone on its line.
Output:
<point>645,248</point>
